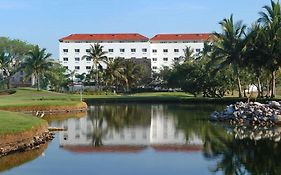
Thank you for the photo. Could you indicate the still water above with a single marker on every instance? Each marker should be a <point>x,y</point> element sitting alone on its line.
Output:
<point>150,139</point>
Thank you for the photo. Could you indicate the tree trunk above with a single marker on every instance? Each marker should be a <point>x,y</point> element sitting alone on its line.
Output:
<point>38,82</point>
<point>97,77</point>
<point>272,84</point>
<point>239,86</point>
<point>260,94</point>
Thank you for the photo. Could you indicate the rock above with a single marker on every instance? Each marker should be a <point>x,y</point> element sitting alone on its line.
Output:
<point>274,104</point>
<point>229,110</point>
<point>276,119</point>
<point>257,103</point>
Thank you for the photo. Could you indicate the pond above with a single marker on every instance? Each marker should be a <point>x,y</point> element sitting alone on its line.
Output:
<point>150,139</point>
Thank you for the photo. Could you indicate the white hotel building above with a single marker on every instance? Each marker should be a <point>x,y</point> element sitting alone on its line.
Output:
<point>162,49</point>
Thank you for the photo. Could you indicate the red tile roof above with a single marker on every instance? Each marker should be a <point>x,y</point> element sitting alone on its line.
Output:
<point>181,37</point>
<point>105,37</point>
<point>133,149</point>
<point>121,148</point>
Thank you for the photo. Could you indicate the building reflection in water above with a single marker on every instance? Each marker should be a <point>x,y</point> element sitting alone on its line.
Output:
<point>125,128</point>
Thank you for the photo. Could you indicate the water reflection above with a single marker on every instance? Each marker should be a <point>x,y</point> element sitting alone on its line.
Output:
<point>133,128</point>
<point>17,159</point>
<point>124,127</point>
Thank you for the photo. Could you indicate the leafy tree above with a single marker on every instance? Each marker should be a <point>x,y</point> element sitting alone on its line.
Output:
<point>36,63</point>
<point>229,46</point>
<point>271,21</point>
<point>97,55</point>
<point>12,53</point>
<point>188,54</point>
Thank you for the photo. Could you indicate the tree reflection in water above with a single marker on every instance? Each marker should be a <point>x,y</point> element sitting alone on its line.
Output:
<point>235,150</point>
<point>108,117</point>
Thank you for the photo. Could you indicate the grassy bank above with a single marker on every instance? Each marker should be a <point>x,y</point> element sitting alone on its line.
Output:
<point>31,97</point>
<point>13,123</point>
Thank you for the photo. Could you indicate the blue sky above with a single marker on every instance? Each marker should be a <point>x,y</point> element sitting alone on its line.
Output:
<point>43,22</point>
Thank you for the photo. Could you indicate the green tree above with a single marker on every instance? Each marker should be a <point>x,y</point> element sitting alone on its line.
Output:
<point>97,55</point>
<point>132,74</point>
<point>36,62</point>
<point>229,46</point>
<point>188,54</point>
<point>12,52</point>
<point>271,21</point>
<point>114,73</point>
<point>6,67</point>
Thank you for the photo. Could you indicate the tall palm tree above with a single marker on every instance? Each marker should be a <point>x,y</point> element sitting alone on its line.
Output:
<point>271,21</point>
<point>255,57</point>
<point>229,47</point>
<point>97,55</point>
<point>36,62</point>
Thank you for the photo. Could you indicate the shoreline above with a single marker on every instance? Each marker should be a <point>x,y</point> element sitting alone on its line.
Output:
<point>36,136</point>
<point>25,141</point>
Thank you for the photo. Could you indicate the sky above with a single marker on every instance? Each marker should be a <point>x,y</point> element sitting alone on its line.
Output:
<point>44,22</point>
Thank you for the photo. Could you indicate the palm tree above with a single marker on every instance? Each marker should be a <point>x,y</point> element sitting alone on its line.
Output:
<point>114,72</point>
<point>6,67</point>
<point>97,55</point>
<point>271,21</point>
<point>36,62</point>
<point>255,57</point>
<point>132,73</point>
<point>229,47</point>
<point>188,54</point>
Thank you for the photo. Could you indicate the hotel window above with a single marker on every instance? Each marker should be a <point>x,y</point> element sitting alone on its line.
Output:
<point>65,59</point>
<point>154,51</point>
<point>176,50</point>
<point>77,67</point>
<point>77,50</point>
<point>122,50</point>
<point>88,59</point>
<point>133,50</point>
<point>87,50</point>
<point>77,59</point>
<point>198,50</point>
<point>144,50</point>
<point>176,59</point>
<point>88,67</point>
<point>133,57</point>
<point>165,50</point>
<point>144,57</point>
<point>154,59</point>
<point>66,67</point>
<point>165,59</point>
<point>65,50</point>
<point>110,50</point>
<point>110,58</point>
<point>154,67</point>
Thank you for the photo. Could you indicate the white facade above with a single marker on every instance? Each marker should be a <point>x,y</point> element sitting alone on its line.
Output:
<point>162,51</point>
<point>169,52</point>
<point>74,59</point>
<point>161,131</point>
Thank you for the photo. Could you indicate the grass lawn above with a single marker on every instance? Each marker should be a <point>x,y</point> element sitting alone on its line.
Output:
<point>31,97</point>
<point>12,123</point>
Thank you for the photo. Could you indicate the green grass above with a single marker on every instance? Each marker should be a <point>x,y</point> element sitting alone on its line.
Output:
<point>30,97</point>
<point>12,123</point>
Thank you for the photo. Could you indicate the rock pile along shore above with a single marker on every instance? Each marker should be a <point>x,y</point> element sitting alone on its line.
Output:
<point>257,133</point>
<point>253,113</point>
<point>26,144</point>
